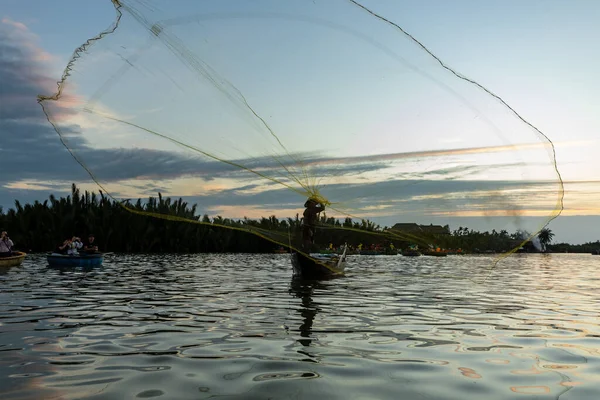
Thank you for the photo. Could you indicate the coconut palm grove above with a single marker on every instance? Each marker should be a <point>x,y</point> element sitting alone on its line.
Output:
<point>42,225</point>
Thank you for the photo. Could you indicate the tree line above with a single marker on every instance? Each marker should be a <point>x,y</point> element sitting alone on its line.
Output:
<point>41,226</point>
<point>589,247</point>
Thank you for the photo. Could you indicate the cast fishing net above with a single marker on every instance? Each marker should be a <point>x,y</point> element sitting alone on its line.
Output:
<point>249,108</point>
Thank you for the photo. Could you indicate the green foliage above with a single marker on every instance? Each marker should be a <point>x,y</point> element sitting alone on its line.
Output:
<point>589,247</point>
<point>545,237</point>
<point>475,241</point>
<point>42,226</point>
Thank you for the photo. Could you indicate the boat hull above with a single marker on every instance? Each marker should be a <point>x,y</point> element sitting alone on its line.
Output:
<point>14,260</point>
<point>317,267</point>
<point>82,260</point>
<point>388,252</point>
<point>435,253</point>
<point>411,253</point>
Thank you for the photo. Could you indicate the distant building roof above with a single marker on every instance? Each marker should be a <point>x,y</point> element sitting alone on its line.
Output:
<point>407,227</point>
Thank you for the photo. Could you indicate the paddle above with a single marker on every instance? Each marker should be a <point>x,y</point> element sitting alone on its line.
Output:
<point>342,256</point>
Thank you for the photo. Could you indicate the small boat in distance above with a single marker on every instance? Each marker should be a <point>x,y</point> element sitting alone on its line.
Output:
<point>435,253</point>
<point>80,260</point>
<point>318,266</point>
<point>411,251</point>
<point>15,259</point>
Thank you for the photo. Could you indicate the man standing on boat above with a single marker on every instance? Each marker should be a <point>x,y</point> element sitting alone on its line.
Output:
<point>309,222</point>
<point>6,245</point>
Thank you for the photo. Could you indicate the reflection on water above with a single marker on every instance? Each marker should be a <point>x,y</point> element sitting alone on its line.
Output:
<point>238,326</point>
<point>304,290</point>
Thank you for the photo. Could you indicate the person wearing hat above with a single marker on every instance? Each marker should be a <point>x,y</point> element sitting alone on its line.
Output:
<point>309,221</point>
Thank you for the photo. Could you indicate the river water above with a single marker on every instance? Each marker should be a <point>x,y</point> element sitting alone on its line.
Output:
<point>239,327</point>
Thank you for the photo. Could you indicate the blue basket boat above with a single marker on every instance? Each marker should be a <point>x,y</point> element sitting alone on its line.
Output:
<point>81,260</point>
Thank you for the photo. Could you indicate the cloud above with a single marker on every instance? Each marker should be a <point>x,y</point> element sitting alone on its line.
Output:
<point>29,145</point>
<point>21,77</point>
<point>389,198</point>
<point>34,160</point>
<point>31,149</point>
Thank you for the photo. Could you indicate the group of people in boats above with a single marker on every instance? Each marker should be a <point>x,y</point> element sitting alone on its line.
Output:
<point>6,245</point>
<point>74,245</point>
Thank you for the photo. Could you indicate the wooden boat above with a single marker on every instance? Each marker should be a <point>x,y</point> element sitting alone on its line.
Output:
<point>371,253</point>
<point>81,260</point>
<point>14,260</point>
<point>385,252</point>
<point>435,253</point>
<point>318,266</point>
<point>411,253</point>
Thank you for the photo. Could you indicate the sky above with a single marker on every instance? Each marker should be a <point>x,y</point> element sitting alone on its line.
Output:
<point>312,92</point>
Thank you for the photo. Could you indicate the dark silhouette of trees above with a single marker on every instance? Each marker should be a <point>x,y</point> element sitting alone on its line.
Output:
<point>545,237</point>
<point>42,225</point>
<point>589,247</point>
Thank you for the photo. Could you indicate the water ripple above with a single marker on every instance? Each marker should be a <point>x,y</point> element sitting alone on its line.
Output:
<point>238,326</point>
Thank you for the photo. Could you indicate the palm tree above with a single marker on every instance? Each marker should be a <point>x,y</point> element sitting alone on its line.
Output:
<point>545,237</point>
<point>41,225</point>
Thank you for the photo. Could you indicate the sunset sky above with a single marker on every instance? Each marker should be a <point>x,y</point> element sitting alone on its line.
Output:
<point>323,88</point>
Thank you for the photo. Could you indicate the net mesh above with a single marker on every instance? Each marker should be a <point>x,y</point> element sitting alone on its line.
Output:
<point>250,108</point>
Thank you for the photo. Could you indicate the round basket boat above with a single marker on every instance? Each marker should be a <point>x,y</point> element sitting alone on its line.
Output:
<point>14,260</point>
<point>81,260</point>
